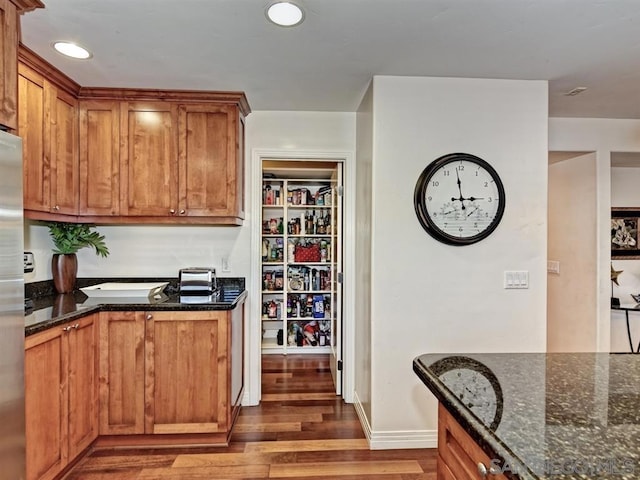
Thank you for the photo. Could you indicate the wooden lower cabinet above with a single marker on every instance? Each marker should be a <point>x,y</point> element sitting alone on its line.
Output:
<point>459,456</point>
<point>170,373</point>
<point>61,399</point>
<point>121,378</point>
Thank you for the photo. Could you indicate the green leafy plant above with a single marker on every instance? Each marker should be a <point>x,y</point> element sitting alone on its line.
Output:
<point>71,237</point>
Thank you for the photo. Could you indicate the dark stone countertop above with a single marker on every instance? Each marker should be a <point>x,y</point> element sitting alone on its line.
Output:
<point>545,416</point>
<point>51,309</point>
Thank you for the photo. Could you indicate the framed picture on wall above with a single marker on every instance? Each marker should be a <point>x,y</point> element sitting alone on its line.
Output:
<point>624,233</point>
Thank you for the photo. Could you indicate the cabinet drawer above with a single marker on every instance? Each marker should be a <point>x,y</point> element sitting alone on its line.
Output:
<point>458,454</point>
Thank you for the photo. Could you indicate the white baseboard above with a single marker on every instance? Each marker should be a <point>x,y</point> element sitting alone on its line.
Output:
<point>393,440</point>
<point>364,421</point>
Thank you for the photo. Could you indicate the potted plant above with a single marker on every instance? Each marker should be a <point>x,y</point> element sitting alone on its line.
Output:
<point>68,238</point>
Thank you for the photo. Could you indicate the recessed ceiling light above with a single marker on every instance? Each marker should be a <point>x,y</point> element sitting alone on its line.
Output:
<point>285,14</point>
<point>72,50</point>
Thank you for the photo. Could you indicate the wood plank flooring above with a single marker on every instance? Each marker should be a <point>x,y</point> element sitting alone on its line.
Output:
<point>301,430</point>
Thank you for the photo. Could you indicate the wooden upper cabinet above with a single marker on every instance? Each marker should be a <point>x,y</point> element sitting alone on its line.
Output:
<point>35,140</point>
<point>108,155</point>
<point>99,157</point>
<point>63,112</point>
<point>48,126</point>
<point>9,38</point>
<point>8,64</point>
<point>211,176</point>
<point>149,161</point>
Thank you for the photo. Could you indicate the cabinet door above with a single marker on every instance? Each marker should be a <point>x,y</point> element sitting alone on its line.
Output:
<point>83,385</point>
<point>99,158</point>
<point>211,169</point>
<point>186,362</point>
<point>63,113</point>
<point>459,456</point>
<point>121,378</point>
<point>46,403</point>
<point>149,159</point>
<point>8,64</point>
<point>35,139</point>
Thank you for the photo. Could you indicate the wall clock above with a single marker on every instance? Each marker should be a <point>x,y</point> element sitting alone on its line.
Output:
<point>459,199</point>
<point>475,385</point>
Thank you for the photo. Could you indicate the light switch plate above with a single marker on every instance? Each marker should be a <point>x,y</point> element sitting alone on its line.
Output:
<point>28,262</point>
<point>553,266</point>
<point>516,279</point>
<point>225,264</point>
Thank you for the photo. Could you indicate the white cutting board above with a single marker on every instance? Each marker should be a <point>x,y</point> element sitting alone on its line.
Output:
<point>124,289</point>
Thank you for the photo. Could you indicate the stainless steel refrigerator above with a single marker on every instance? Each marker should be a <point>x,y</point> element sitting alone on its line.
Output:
<point>12,437</point>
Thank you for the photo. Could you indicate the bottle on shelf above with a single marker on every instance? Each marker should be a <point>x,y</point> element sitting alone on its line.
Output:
<point>273,309</point>
<point>320,229</point>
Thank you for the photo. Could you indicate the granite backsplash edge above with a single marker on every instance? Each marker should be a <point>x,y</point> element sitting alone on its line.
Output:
<point>46,288</point>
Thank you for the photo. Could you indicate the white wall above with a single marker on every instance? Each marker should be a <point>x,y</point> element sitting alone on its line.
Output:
<point>430,297</point>
<point>572,241</point>
<point>602,136</point>
<point>362,354</point>
<point>152,250</point>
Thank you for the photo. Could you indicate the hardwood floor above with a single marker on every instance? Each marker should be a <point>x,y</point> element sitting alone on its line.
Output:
<point>301,430</point>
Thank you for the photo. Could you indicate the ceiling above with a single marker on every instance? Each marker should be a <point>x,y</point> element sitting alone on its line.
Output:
<point>326,63</point>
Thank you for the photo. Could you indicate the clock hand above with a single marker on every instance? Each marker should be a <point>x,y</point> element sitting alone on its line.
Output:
<point>453,199</point>
<point>474,198</point>
<point>461,199</point>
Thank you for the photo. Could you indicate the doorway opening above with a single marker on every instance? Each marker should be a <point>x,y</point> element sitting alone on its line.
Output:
<point>301,245</point>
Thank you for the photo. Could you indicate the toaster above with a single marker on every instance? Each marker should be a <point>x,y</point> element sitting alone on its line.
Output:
<point>198,280</point>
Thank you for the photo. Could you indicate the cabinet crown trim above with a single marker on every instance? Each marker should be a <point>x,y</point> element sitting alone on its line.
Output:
<point>27,5</point>
<point>186,96</point>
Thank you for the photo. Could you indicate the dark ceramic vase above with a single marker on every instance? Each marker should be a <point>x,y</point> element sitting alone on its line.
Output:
<point>65,269</point>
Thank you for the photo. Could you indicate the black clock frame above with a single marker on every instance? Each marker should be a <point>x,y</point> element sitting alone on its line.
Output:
<point>421,208</point>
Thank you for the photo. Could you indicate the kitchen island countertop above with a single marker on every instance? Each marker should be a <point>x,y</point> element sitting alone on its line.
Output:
<point>544,416</point>
<point>50,309</point>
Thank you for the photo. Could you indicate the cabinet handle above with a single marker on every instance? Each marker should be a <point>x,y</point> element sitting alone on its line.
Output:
<point>182,212</point>
<point>76,326</point>
<point>66,329</point>
<point>172,211</point>
<point>149,316</point>
<point>483,471</point>
<point>56,208</point>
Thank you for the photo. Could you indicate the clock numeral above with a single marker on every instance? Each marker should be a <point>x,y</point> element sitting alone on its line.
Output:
<point>489,199</point>
<point>429,198</point>
<point>435,183</point>
<point>486,184</point>
<point>446,173</point>
<point>461,168</point>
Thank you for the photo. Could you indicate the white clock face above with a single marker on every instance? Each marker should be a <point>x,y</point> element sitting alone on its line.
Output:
<point>461,199</point>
